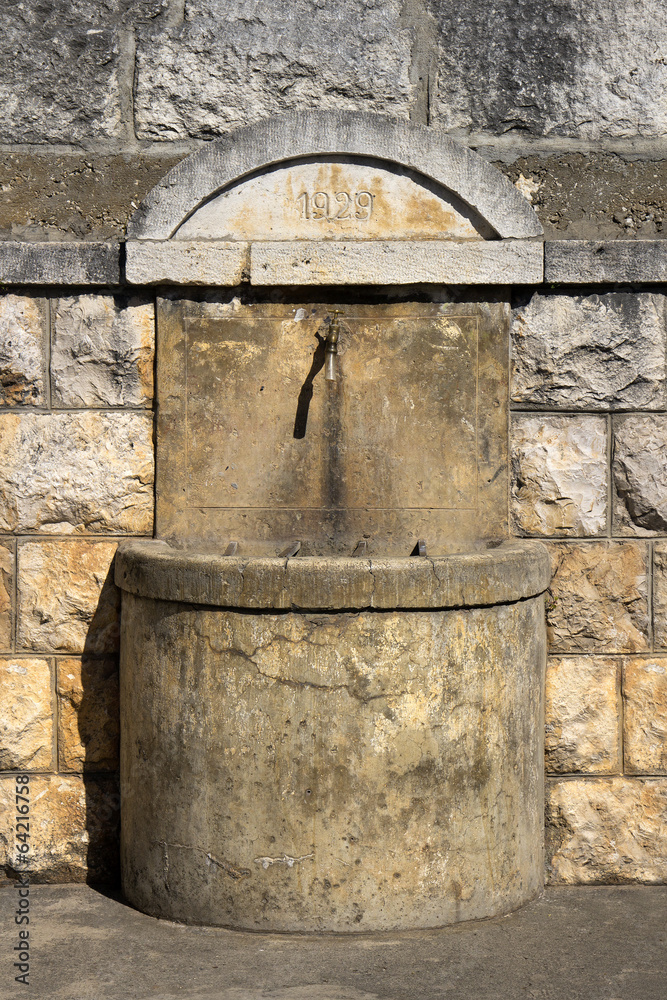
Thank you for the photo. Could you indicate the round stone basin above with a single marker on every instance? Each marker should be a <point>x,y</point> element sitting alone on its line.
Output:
<point>331,744</point>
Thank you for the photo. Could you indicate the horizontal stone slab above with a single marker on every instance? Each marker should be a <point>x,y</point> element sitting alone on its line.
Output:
<point>510,572</point>
<point>587,262</point>
<point>75,263</point>
<point>396,262</point>
<point>185,262</point>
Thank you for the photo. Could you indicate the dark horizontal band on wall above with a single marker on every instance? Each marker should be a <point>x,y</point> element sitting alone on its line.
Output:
<point>372,262</point>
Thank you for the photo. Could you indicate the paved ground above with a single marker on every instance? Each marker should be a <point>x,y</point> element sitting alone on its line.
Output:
<point>603,943</point>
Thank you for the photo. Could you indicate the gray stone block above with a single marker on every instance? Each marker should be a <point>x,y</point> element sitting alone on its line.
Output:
<point>386,262</point>
<point>590,72</point>
<point>640,474</point>
<point>59,263</point>
<point>61,68</point>
<point>232,63</point>
<point>622,261</point>
<point>590,351</point>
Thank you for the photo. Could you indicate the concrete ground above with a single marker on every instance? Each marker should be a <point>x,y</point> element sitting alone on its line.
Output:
<point>598,943</point>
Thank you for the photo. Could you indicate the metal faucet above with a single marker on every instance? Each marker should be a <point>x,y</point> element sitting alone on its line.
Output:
<point>331,349</point>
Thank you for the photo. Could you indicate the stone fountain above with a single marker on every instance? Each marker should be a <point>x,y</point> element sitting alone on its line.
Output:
<point>332,654</point>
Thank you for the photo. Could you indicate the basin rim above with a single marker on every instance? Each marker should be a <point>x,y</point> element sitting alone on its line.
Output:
<point>512,571</point>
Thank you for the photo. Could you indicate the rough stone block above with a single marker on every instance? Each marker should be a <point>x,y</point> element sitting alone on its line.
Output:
<point>640,474</point>
<point>582,710</point>
<point>606,830</point>
<point>67,599</point>
<point>598,597</point>
<point>645,715</point>
<point>393,262</point>
<point>102,350</point>
<point>62,65</point>
<point>73,829</point>
<point>26,724</point>
<point>228,65</point>
<point>186,263</point>
<point>590,351</point>
<point>559,474</point>
<point>588,72</point>
<point>660,594</point>
<point>23,350</point>
<point>623,261</point>
<point>6,592</point>
<point>59,263</point>
<point>65,473</point>
<point>88,714</point>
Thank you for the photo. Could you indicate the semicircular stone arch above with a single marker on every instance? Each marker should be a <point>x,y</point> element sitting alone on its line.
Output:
<point>331,175</point>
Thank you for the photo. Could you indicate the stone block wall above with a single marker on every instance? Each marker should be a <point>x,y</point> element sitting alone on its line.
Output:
<point>76,476</point>
<point>589,456</point>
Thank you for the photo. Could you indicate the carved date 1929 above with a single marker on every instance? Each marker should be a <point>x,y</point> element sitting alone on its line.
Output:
<point>336,205</point>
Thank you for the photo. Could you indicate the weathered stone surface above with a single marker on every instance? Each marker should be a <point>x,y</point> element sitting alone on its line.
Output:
<point>593,195</point>
<point>48,194</point>
<point>318,136</point>
<point>508,572</point>
<point>334,198</point>
<point>62,72</point>
<point>67,600</point>
<point>186,263</point>
<point>73,829</point>
<point>88,714</point>
<point>397,262</point>
<point>660,594</point>
<point>586,262</point>
<point>586,72</point>
<point>256,446</point>
<point>645,715</point>
<point>65,473</point>
<point>102,349</point>
<point>602,351</point>
<point>559,474</point>
<point>582,711</point>
<point>59,263</point>
<point>6,594</point>
<point>640,474</point>
<point>606,830</point>
<point>26,723</point>
<point>599,597</point>
<point>336,738</point>
<point>231,64</point>
<point>23,350</point>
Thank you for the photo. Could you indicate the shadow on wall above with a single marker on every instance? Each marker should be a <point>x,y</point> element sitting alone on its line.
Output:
<point>89,739</point>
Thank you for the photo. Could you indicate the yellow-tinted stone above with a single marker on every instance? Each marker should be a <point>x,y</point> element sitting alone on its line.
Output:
<point>599,597</point>
<point>6,590</point>
<point>26,721</point>
<point>607,830</point>
<point>67,599</point>
<point>582,712</point>
<point>645,715</point>
<point>88,720</point>
<point>73,828</point>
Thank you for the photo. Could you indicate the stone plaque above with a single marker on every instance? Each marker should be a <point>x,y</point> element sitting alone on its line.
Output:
<point>256,446</point>
<point>336,199</point>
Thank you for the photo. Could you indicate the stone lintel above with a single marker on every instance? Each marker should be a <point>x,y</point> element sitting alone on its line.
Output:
<point>71,263</point>
<point>182,262</point>
<point>395,262</point>
<point>582,262</point>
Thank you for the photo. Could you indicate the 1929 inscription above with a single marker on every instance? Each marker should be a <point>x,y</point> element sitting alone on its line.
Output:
<point>334,205</point>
